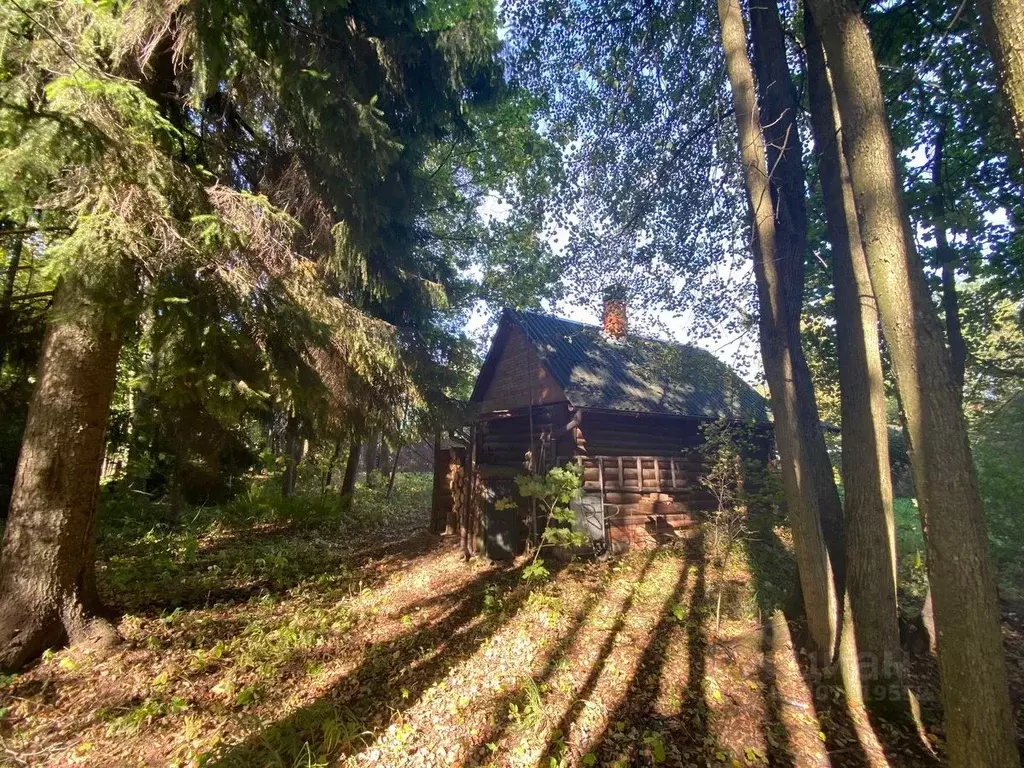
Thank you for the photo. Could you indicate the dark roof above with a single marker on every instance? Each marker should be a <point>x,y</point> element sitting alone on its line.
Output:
<point>639,374</point>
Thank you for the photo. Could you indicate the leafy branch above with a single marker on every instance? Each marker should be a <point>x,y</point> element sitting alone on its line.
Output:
<point>554,492</point>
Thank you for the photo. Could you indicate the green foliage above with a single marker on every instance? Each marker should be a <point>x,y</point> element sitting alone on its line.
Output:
<point>298,216</point>
<point>138,716</point>
<point>935,60</point>
<point>554,492</point>
<point>723,477</point>
<point>910,551</point>
<point>256,542</point>
<point>531,713</point>
<point>998,444</point>
<point>633,94</point>
<point>654,742</point>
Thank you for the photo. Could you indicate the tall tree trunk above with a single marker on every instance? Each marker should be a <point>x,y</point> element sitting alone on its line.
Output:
<point>384,456</point>
<point>1002,22</point>
<point>806,474</point>
<point>293,455</point>
<point>325,482</point>
<point>869,521</point>
<point>394,470</point>
<point>778,106</point>
<point>8,295</point>
<point>947,260</point>
<point>971,665</point>
<point>348,483</point>
<point>47,592</point>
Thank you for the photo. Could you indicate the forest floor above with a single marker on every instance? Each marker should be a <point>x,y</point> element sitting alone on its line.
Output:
<point>298,643</point>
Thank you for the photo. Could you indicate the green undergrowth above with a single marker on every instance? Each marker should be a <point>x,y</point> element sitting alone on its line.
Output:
<point>910,554</point>
<point>769,556</point>
<point>258,541</point>
<point>1005,520</point>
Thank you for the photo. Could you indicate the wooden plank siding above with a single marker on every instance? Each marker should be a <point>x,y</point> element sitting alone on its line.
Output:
<point>519,379</point>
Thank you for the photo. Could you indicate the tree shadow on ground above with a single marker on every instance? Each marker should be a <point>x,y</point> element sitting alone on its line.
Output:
<point>772,568</point>
<point>773,729</point>
<point>776,584</point>
<point>266,571</point>
<point>500,707</point>
<point>390,677</point>
<point>650,663</point>
<point>687,731</point>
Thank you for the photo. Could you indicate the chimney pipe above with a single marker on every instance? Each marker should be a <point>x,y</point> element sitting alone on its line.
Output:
<point>613,321</point>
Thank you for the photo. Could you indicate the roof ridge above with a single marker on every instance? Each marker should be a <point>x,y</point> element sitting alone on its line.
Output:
<point>596,327</point>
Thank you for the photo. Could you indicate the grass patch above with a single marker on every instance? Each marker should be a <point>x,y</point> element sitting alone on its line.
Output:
<point>257,542</point>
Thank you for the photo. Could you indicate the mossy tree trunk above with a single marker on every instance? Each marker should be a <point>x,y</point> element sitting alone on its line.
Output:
<point>972,669</point>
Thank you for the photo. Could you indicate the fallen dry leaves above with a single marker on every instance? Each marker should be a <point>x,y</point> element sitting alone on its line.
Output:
<point>406,656</point>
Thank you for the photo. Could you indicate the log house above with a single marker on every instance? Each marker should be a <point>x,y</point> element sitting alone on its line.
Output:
<point>628,409</point>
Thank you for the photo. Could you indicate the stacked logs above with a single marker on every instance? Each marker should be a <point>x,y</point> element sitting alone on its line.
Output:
<point>449,490</point>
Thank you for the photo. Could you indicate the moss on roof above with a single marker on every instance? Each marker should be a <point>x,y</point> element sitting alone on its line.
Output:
<point>638,374</point>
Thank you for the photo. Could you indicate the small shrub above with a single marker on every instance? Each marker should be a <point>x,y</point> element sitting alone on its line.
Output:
<point>554,492</point>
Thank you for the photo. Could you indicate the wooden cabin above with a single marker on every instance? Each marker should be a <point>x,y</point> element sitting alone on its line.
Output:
<point>629,409</point>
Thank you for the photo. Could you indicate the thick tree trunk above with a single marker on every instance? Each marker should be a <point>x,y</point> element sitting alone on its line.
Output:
<point>947,260</point>
<point>778,106</point>
<point>348,483</point>
<point>47,589</point>
<point>807,478</point>
<point>1002,22</point>
<point>869,522</point>
<point>971,665</point>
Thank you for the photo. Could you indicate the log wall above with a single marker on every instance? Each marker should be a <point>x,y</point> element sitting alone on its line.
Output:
<point>647,500</point>
<point>449,488</point>
<point>644,468</point>
<point>450,495</point>
<point>617,433</point>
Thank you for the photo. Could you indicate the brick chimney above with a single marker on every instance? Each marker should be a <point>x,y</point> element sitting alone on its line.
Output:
<point>614,323</point>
